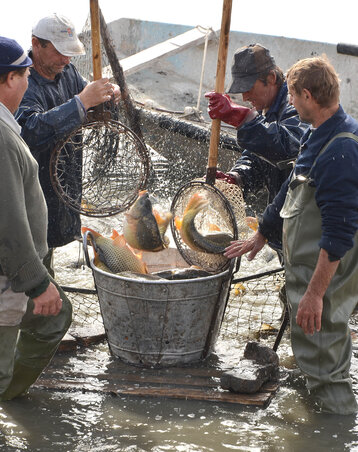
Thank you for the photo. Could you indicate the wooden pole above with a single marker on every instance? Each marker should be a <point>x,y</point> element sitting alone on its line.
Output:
<point>219,88</point>
<point>96,40</point>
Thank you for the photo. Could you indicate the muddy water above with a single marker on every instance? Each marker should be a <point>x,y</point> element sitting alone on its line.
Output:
<point>47,420</point>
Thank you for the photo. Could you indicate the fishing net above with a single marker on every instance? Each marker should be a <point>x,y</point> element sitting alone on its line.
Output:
<point>178,142</point>
<point>253,311</point>
<point>99,169</point>
<point>219,216</point>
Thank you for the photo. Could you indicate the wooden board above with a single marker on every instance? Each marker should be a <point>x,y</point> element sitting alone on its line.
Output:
<point>82,336</point>
<point>188,383</point>
<point>174,45</point>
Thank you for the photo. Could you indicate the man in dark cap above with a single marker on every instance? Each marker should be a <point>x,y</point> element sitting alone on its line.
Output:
<point>267,134</point>
<point>34,312</point>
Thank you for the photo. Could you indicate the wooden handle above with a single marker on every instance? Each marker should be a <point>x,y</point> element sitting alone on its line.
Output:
<point>219,85</point>
<point>96,40</point>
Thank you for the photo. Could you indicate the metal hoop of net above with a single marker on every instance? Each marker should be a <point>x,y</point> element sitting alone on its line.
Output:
<point>100,168</point>
<point>219,215</point>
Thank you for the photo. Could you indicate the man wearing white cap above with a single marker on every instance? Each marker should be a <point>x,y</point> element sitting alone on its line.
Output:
<point>34,312</point>
<point>54,105</point>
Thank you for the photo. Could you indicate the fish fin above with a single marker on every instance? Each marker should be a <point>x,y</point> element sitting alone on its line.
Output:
<point>213,227</point>
<point>166,241</point>
<point>178,223</point>
<point>119,239</point>
<point>252,223</point>
<point>115,234</point>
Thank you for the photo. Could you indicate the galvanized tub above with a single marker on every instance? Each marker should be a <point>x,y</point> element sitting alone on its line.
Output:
<point>161,323</point>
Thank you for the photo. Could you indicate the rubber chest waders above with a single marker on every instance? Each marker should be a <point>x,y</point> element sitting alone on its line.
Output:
<point>325,356</point>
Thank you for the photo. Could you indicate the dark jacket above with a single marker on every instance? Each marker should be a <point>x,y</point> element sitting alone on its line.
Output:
<point>270,144</point>
<point>335,179</point>
<point>47,114</point>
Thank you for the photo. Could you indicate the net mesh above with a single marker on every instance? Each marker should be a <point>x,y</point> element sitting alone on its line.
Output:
<point>178,143</point>
<point>253,311</point>
<point>109,160</point>
<point>217,216</point>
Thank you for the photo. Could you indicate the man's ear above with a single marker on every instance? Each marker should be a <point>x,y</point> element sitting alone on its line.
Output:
<point>10,78</point>
<point>306,94</point>
<point>271,78</point>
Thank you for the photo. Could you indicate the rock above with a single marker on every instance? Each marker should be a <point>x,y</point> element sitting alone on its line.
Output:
<point>260,353</point>
<point>259,365</point>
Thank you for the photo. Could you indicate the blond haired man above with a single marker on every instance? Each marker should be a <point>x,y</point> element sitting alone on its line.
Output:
<point>317,209</point>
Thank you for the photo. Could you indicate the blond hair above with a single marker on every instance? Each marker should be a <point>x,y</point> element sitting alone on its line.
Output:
<point>318,76</point>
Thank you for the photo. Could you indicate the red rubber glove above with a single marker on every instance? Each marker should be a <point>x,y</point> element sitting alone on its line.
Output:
<point>226,177</point>
<point>221,107</point>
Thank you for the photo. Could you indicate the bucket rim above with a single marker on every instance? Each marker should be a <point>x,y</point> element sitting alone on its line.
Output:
<point>161,281</point>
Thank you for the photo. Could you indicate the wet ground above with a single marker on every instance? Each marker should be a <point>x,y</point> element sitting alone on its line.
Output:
<point>80,420</point>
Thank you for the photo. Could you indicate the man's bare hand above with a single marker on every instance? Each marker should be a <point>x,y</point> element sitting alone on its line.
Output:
<point>49,302</point>
<point>253,244</point>
<point>97,92</point>
<point>309,313</point>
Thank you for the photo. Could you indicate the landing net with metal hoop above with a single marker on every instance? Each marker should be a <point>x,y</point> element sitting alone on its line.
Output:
<point>100,168</point>
<point>217,216</point>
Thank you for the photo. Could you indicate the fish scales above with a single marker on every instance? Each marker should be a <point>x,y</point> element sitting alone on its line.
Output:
<point>144,228</point>
<point>214,242</point>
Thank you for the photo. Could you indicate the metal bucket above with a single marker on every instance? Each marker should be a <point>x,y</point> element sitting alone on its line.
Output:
<point>161,323</point>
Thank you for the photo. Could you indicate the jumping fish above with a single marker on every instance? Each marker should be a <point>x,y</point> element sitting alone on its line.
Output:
<point>114,254</point>
<point>143,227</point>
<point>214,242</point>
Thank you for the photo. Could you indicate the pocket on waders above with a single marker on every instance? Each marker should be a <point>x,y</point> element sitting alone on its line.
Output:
<point>297,225</point>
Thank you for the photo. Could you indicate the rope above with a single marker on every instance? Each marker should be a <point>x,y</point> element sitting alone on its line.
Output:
<point>208,32</point>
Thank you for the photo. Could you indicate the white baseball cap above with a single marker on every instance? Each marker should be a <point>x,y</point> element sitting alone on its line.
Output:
<point>60,31</point>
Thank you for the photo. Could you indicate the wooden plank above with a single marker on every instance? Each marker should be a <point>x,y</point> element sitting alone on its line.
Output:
<point>149,56</point>
<point>145,379</point>
<point>261,399</point>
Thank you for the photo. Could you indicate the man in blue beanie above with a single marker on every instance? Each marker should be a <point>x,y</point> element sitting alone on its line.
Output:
<point>34,312</point>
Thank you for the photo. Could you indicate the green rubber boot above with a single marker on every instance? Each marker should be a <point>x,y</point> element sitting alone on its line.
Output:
<point>37,343</point>
<point>8,339</point>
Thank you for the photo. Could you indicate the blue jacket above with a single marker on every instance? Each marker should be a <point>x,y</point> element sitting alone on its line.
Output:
<point>47,114</point>
<point>270,144</point>
<point>336,182</point>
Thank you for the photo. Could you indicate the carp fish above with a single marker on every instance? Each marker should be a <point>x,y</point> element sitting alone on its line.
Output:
<point>114,255</point>
<point>213,242</point>
<point>144,228</point>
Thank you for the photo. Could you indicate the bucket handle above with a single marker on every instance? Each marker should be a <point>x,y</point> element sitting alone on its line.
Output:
<point>85,246</point>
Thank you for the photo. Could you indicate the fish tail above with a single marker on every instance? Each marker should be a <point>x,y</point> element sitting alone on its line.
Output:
<point>196,202</point>
<point>162,221</point>
<point>94,233</point>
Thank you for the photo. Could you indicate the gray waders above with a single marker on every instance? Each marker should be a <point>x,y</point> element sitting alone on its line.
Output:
<point>26,349</point>
<point>325,356</point>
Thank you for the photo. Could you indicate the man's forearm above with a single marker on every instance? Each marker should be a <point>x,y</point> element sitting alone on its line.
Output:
<point>322,276</point>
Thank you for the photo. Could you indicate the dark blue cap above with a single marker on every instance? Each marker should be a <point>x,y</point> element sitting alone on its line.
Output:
<point>12,56</point>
